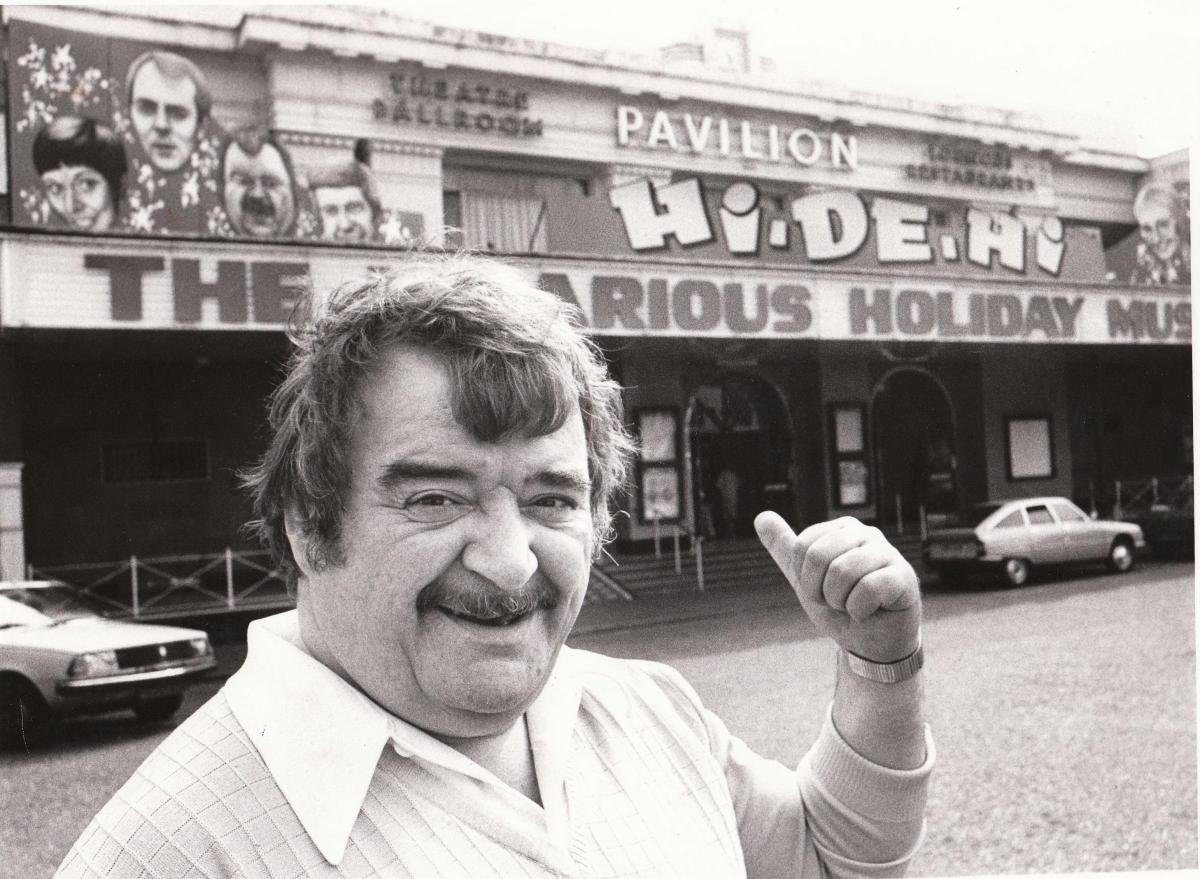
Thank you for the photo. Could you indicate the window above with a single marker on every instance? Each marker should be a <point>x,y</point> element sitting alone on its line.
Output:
<point>848,441</point>
<point>659,470</point>
<point>1012,520</point>
<point>1068,512</point>
<point>504,223</point>
<point>1029,442</point>
<point>154,461</point>
<point>1040,515</point>
<point>452,217</point>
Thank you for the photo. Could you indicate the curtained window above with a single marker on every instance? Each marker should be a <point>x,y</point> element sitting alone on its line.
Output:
<point>504,223</point>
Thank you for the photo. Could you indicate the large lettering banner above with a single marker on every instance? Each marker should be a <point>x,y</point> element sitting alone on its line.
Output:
<point>178,286</point>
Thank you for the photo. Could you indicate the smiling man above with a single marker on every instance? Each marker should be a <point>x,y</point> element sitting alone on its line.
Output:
<point>446,451</point>
<point>258,187</point>
<point>346,199</point>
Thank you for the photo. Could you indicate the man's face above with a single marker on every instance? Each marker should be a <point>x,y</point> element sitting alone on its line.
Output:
<point>258,192</point>
<point>81,196</point>
<point>345,213</point>
<point>439,531</point>
<point>164,116</point>
<point>1157,228</point>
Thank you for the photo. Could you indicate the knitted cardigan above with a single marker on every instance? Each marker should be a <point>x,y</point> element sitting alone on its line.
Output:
<point>655,786</point>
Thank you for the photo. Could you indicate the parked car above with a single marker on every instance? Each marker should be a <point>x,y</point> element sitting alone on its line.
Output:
<point>1170,531</point>
<point>1010,537</point>
<point>59,656</point>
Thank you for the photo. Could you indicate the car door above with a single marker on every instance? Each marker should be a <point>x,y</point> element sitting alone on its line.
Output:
<point>1046,542</point>
<point>1081,538</point>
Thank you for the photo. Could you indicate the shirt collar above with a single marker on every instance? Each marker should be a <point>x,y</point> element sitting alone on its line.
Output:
<point>321,738</point>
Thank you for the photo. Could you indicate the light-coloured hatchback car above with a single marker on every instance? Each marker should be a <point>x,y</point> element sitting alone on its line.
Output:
<point>59,657</point>
<point>1010,537</point>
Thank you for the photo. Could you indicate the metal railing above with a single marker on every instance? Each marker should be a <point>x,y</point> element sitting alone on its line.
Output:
<point>175,585</point>
<point>677,532</point>
<point>1133,496</point>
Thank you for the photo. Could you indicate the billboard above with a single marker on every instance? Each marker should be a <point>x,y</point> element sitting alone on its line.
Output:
<point>184,285</point>
<point>113,136</point>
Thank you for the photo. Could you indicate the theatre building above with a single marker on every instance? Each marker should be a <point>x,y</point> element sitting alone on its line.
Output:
<point>820,301</point>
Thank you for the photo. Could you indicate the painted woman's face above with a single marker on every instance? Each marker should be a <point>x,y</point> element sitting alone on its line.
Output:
<point>81,196</point>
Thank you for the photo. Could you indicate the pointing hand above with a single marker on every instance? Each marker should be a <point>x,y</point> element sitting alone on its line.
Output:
<point>852,583</point>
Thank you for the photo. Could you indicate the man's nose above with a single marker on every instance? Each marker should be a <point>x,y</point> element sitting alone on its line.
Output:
<point>161,123</point>
<point>499,547</point>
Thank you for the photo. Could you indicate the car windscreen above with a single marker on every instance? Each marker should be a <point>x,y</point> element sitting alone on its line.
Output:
<point>58,601</point>
<point>14,614</point>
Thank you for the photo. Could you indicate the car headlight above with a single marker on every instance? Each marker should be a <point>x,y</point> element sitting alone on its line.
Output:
<point>200,646</point>
<point>94,665</point>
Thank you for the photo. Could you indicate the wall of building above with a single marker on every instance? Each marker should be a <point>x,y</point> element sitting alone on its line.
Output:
<point>1016,384</point>
<point>74,407</point>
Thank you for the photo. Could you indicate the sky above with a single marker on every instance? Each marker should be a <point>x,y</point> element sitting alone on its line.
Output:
<point>1122,68</point>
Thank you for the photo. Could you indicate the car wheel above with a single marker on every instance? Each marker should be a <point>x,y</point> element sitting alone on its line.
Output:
<point>158,708</point>
<point>1120,555</point>
<point>1016,571</point>
<point>25,720</point>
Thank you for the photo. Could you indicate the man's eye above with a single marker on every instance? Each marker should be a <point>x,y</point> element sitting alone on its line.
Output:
<point>145,106</point>
<point>177,113</point>
<point>553,508</point>
<point>435,507</point>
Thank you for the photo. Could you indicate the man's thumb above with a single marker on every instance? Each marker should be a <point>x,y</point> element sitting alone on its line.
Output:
<point>777,537</point>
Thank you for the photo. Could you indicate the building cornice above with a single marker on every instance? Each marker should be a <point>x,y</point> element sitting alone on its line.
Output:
<point>378,35</point>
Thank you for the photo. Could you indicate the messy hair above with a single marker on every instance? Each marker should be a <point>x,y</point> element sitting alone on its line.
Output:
<point>518,366</point>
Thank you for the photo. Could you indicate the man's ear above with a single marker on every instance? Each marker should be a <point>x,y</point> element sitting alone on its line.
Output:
<point>297,540</point>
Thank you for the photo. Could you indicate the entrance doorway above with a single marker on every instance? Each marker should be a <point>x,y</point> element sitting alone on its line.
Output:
<point>916,458</point>
<point>741,450</point>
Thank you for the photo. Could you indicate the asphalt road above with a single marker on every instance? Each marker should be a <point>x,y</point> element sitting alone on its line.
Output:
<point>1064,715</point>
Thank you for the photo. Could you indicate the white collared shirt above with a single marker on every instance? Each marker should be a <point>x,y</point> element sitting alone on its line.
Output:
<point>321,738</point>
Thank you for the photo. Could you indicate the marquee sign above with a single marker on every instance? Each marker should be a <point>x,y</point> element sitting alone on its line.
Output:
<point>659,129</point>
<point>760,223</point>
<point>416,97</point>
<point>176,286</point>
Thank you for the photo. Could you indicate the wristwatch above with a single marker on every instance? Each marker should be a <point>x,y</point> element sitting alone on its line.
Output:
<point>887,672</point>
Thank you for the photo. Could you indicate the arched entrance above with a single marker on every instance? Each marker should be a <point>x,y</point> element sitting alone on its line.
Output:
<point>915,442</point>
<point>740,450</point>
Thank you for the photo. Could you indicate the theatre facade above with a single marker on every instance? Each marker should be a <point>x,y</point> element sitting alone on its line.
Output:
<point>820,302</point>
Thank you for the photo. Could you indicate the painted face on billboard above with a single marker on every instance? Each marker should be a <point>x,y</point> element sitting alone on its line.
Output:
<point>1158,228</point>
<point>345,213</point>
<point>165,116</point>
<point>258,191</point>
<point>81,196</point>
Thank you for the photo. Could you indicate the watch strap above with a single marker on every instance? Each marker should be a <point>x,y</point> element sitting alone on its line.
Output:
<point>887,672</point>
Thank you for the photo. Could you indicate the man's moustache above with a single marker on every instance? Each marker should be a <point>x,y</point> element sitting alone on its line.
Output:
<point>257,207</point>
<point>482,598</point>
